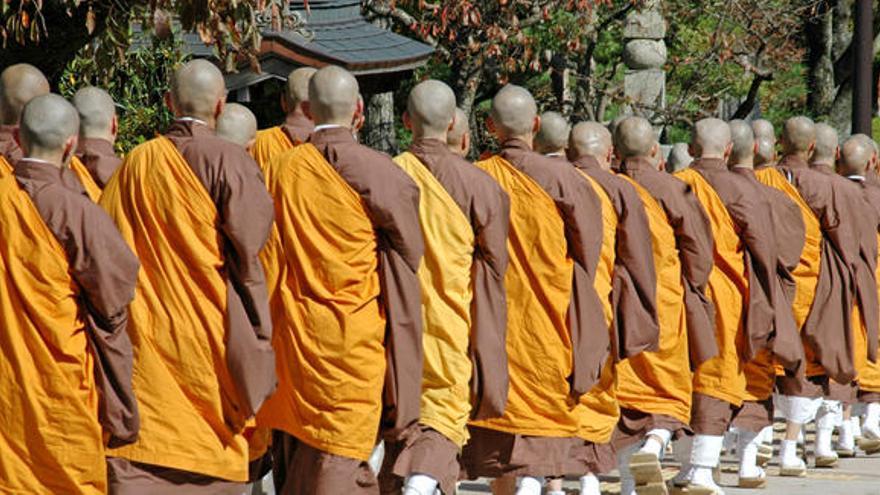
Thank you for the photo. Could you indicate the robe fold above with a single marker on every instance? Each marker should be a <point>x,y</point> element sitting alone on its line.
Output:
<point>88,182</point>
<point>276,140</point>
<point>743,283</point>
<point>98,158</point>
<point>346,297</point>
<point>827,329</point>
<point>65,357</point>
<point>627,285</point>
<point>195,210</point>
<point>554,313</point>
<point>659,383</point>
<point>10,152</point>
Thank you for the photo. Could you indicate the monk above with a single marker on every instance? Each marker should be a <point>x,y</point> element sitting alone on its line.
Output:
<point>743,288</point>
<point>753,421</point>
<point>823,278</point>
<point>238,125</point>
<point>343,272</point>
<point>552,137</point>
<point>195,210</point>
<point>464,216</point>
<point>95,161</point>
<point>557,341</point>
<point>765,138</point>
<point>626,281</point>
<point>459,137</point>
<point>655,388</point>
<point>297,125</point>
<point>856,156</point>
<point>19,84</point>
<point>66,279</point>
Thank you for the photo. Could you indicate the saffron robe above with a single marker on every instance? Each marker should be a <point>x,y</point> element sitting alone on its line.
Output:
<point>88,182</point>
<point>195,210</point>
<point>554,313</point>
<point>276,140</point>
<point>660,382</point>
<point>99,159</point>
<point>342,267</point>
<point>869,375</point>
<point>743,283</point>
<point>627,285</point>
<point>10,152</point>
<point>65,358</point>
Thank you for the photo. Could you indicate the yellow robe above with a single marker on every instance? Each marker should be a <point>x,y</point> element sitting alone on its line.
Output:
<point>50,437</point>
<point>660,382</point>
<point>269,144</point>
<point>447,292</point>
<point>539,286</point>
<point>806,274</point>
<point>189,421</point>
<point>868,372</point>
<point>723,376</point>
<point>329,329</point>
<point>5,167</point>
<point>598,411</point>
<point>89,184</point>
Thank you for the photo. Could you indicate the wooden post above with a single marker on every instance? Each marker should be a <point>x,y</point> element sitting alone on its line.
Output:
<point>862,73</point>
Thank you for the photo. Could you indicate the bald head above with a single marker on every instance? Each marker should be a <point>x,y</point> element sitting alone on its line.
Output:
<point>799,136</point>
<point>297,89</point>
<point>97,113</point>
<point>591,139</point>
<point>743,138</point>
<point>19,84</point>
<point>634,137</point>
<point>198,91</point>
<point>711,139</point>
<point>334,96</point>
<point>430,109</point>
<point>459,137</point>
<point>552,137</point>
<point>237,124</point>
<point>514,113</point>
<point>856,156</point>
<point>826,145</point>
<point>763,128</point>
<point>48,129</point>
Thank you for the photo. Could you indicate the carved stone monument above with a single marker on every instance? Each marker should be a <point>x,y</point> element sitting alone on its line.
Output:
<point>644,54</point>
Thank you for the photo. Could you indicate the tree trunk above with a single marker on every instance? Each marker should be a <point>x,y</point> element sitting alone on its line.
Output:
<point>820,41</point>
<point>379,130</point>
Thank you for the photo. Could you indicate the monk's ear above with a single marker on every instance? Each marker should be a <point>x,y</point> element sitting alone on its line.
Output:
<point>114,126</point>
<point>407,121</point>
<point>609,157</point>
<point>727,151</point>
<point>283,98</point>
<point>490,124</point>
<point>307,110</point>
<point>536,125</point>
<point>466,143</point>
<point>169,102</point>
<point>218,108</point>
<point>16,135</point>
<point>358,113</point>
<point>69,149</point>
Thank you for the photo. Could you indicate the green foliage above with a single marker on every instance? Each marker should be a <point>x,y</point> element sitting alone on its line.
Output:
<point>875,129</point>
<point>137,82</point>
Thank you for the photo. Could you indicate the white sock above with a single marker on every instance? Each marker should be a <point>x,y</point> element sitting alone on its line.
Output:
<point>845,438</point>
<point>529,485</point>
<point>856,425</point>
<point>420,484</point>
<point>788,453</point>
<point>730,439</point>
<point>825,421</point>
<point>590,485</point>
<point>766,435</point>
<point>747,448</point>
<point>376,457</point>
<point>872,418</point>
<point>554,492</point>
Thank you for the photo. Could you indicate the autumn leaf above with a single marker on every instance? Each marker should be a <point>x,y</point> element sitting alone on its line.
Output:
<point>90,21</point>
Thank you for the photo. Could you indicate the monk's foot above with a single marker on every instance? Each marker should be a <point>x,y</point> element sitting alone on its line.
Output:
<point>845,452</point>
<point>869,445</point>
<point>694,489</point>
<point>826,461</point>
<point>752,477</point>
<point>765,454</point>
<point>647,473</point>
<point>796,469</point>
<point>752,483</point>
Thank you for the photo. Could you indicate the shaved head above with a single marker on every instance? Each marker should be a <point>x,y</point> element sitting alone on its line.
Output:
<point>237,124</point>
<point>763,128</point>
<point>799,135</point>
<point>49,127</point>
<point>591,139</point>
<point>198,90</point>
<point>679,158</point>
<point>297,89</point>
<point>19,84</point>
<point>553,134</point>
<point>766,150</point>
<point>711,138</point>
<point>743,138</point>
<point>97,113</point>
<point>459,137</point>
<point>634,137</point>
<point>855,157</point>
<point>514,112</point>
<point>826,145</point>
<point>334,96</point>
<point>431,109</point>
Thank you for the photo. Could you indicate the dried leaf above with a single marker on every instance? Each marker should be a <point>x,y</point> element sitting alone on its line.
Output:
<point>90,21</point>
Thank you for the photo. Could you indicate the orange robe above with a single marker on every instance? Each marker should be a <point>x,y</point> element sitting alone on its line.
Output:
<point>5,167</point>
<point>89,184</point>
<point>269,144</point>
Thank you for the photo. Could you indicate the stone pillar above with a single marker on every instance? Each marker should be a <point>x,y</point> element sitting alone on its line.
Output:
<point>379,130</point>
<point>644,54</point>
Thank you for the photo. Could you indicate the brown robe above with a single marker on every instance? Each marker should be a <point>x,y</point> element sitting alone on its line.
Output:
<point>9,149</point>
<point>297,127</point>
<point>106,270</point>
<point>634,281</point>
<point>695,247</point>
<point>100,159</point>
<point>827,330</point>
<point>245,215</point>
<point>487,207</point>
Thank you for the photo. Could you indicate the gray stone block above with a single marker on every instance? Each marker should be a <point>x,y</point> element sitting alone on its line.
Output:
<point>644,54</point>
<point>645,87</point>
<point>645,24</point>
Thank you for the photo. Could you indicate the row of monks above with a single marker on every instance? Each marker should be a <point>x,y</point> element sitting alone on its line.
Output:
<point>223,301</point>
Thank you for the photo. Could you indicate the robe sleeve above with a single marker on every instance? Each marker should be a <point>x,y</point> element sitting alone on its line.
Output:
<point>106,271</point>
<point>394,208</point>
<point>634,282</point>
<point>246,214</point>
<point>581,211</point>
<point>489,383</point>
<point>696,250</point>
